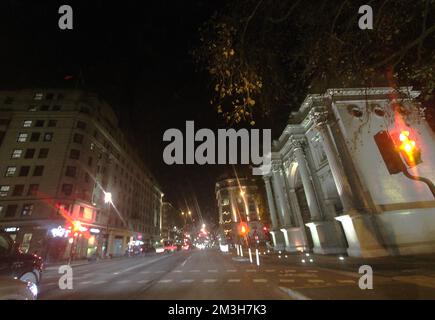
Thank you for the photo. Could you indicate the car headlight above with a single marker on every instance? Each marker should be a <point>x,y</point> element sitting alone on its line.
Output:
<point>33,289</point>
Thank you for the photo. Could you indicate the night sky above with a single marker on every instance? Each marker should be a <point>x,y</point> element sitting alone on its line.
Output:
<point>136,55</point>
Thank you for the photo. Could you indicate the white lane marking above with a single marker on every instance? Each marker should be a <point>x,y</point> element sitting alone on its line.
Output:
<point>178,271</point>
<point>194,270</point>
<point>212,270</point>
<point>290,270</point>
<point>144,264</point>
<point>313,271</point>
<point>187,280</point>
<point>184,262</point>
<point>315,281</point>
<point>85,282</point>
<point>270,270</point>
<point>231,270</point>
<point>251,270</point>
<point>123,281</point>
<point>165,281</point>
<point>100,282</point>
<point>346,281</point>
<point>116,273</point>
<point>143,281</point>
<point>260,280</point>
<point>209,280</point>
<point>159,271</point>
<point>233,280</point>
<point>287,280</point>
<point>144,272</point>
<point>294,294</point>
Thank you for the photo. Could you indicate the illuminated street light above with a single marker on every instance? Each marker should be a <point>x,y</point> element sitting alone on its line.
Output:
<point>190,213</point>
<point>107,197</point>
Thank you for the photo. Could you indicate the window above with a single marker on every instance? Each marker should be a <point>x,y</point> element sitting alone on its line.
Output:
<point>90,161</point>
<point>78,138</point>
<point>32,108</point>
<point>35,136</point>
<point>4,190</point>
<point>16,153</point>
<point>11,210</point>
<point>44,108</point>
<point>27,210</point>
<point>38,171</point>
<point>56,108</point>
<point>81,125</point>
<point>10,171</point>
<point>4,122</point>
<point>87,177</point>
<point>24,171</point>
<point>29,154</point>
<point>71,171</point>
<point>48,136</point>
<point>67,189</point>
<point>74,154</point>
<point>52,123</point>
<point>33,190</point>
<point>43,153</point>
<point>49,96</point>
<point>27,123</point>
<point>60,96</point>
<point>22,137</point>
<point>39,123</point>
<point>38,96</point>
<point>18,190</point>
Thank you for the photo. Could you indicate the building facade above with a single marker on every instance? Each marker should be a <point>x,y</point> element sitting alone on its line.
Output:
<point>336,184</point>
<point>171,222</point>
<point>240,200</point>
<point>71,183</point>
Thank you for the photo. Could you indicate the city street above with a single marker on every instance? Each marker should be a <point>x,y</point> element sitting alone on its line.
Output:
<point>210,274</point>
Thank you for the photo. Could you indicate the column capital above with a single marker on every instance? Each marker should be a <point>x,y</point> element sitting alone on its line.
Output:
<point>267,178</point>
<point>298,142</point>
<point>319,116</point>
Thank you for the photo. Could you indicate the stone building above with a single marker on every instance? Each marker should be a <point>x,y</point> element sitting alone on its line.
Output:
<point>62,155</point>
<point>241,200</point>
<point>340,182</point>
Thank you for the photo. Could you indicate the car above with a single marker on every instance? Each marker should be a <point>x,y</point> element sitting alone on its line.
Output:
<point>18,265</point>
<point>14,289</point>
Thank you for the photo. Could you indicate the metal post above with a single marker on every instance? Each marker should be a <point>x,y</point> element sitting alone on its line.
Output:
<point>250,255</point>
<point>258,257</point>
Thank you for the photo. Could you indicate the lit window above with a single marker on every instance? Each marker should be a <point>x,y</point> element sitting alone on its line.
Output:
<point>4,190</point>
<point>32,108</point>
<point>27,210</point>
<point>10,171</point>
<point>38,96</point>
<point>22,137</point>
<point>17,153</point>
<point>27,123</point>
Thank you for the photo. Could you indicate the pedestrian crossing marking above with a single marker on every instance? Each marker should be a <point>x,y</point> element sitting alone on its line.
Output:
<point>233,280</point>
<point>287,280</point>
<point>260,280</point>
<point>209,280</point>
<point>316,281</point>
<point>165,280</point>
<point>187,280</point>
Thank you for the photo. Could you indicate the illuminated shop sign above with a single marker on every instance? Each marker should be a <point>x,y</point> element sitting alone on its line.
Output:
<point>12,229</point>
<point>60,232</point>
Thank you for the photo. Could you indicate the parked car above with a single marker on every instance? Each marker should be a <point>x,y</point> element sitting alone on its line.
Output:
<point>14,289</point>
<point>16,264</point>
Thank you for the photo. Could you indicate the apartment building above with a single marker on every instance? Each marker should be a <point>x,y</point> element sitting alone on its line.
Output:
<point>71,184</point>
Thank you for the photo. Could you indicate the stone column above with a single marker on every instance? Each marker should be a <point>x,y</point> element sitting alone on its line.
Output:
<point>306,180</point>
<point>271,202</point>
<point>319,115</point>
<point>279,193</point>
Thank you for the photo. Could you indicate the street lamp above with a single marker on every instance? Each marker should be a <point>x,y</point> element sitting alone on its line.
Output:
<point>107,201</point>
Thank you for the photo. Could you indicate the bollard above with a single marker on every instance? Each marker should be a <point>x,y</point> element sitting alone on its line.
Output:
<point>237,248</point>
<point>258,257</point>
<point>241,251</point>
<point>250,255</point>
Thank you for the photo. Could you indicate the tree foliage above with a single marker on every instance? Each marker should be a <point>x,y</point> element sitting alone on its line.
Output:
<point>266,54</point>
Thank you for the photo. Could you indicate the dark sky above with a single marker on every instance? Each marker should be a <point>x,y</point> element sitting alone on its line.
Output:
<point>136,55</point>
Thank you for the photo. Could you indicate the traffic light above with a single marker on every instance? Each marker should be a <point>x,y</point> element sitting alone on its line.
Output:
<point>408,148</point>
<point>388,151</point>
<point>243,229</point>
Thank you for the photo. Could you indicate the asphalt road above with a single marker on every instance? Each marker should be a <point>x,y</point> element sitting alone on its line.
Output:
<point>210,274</point>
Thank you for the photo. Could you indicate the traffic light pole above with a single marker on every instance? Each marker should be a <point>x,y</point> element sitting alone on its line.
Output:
<point>422,179</point>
